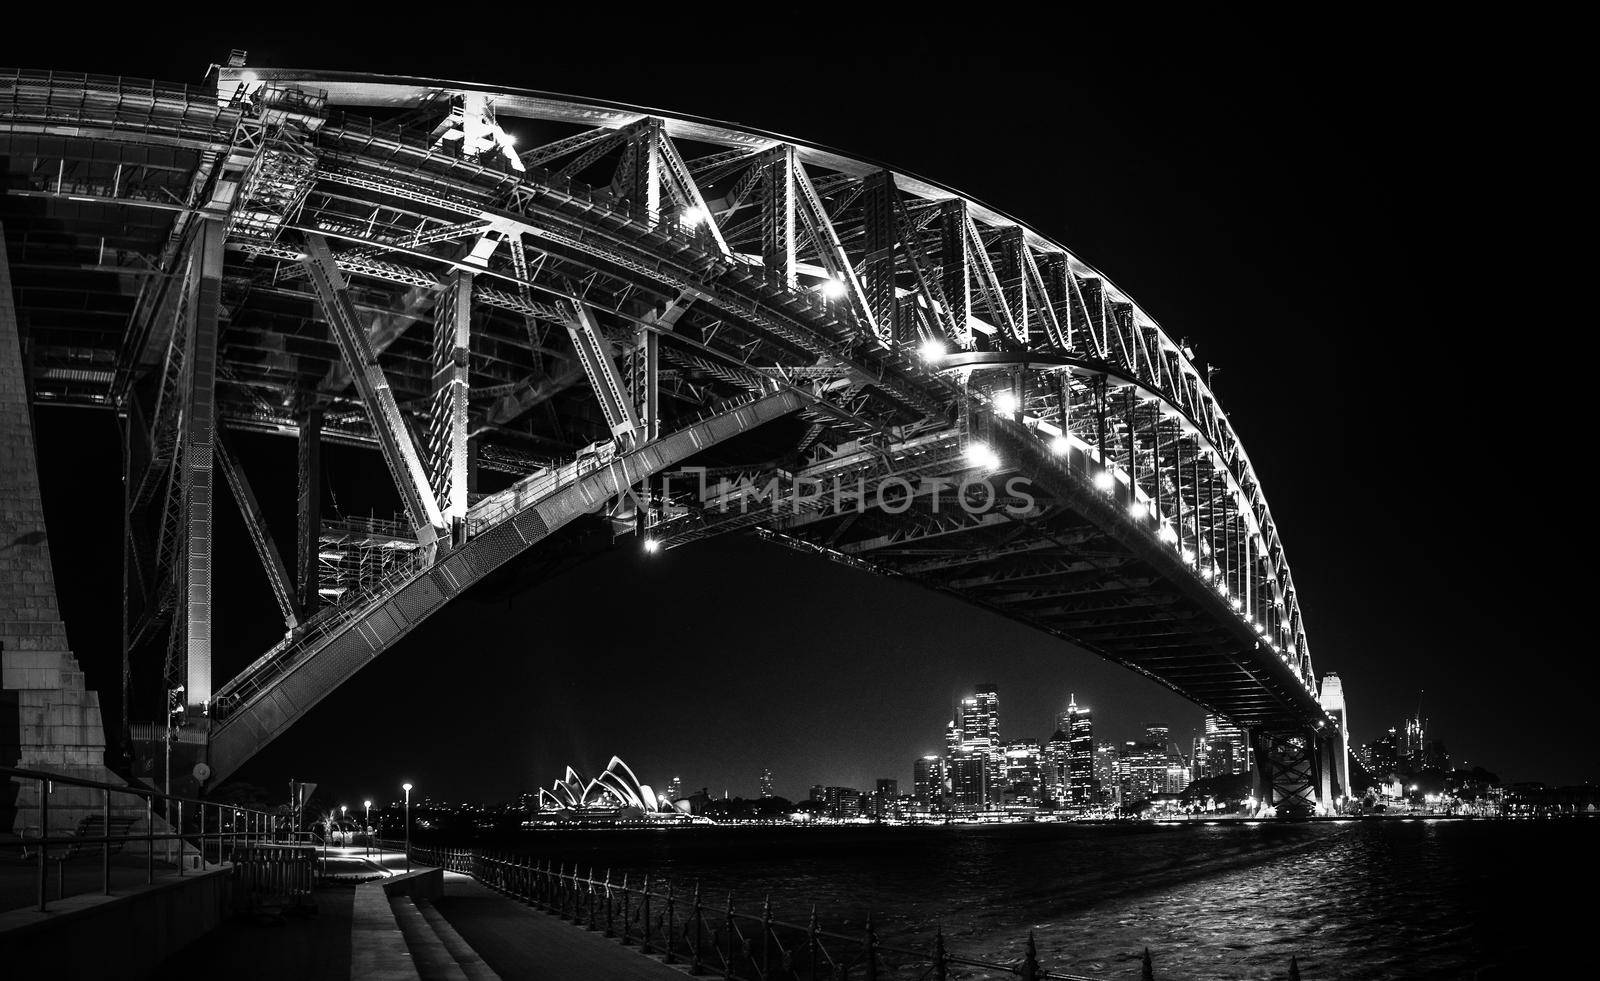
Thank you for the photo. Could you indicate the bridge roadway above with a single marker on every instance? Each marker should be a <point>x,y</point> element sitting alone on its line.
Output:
<point>538,306</point>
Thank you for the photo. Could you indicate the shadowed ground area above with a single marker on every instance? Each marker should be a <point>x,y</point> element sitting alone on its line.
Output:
<point>307,947</point>
<point>80,874</point>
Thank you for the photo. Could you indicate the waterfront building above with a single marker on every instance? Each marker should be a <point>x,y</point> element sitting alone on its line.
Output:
<point>1053,767</point>
<point>969,781</point>
<point>1105,771</point>
<point>1142,765</point>
<point>818,792</point>
<point>1023,779</point>
<point>765,783</point>
<point>841,802</point>
<point>615,794</point>
<point>1080,758</point>
<point>1222,750</point>
<point>928,780</point>
<point>978,731</point>
<point>885,794</point>
<point>675,789</point>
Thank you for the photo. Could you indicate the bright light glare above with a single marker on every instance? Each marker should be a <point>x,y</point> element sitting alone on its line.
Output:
<point>1005,403</point>
<point>692,216</point>
<point>1060,445</point>
<point>1237,603</point>
<point>1168,535</point>
<point>933,350</point>
<point>652,545</point>
<point>406,787</point>
<point>1188,556</point>
<point>981,455</point>
<point>1104,480</point>
<point>831,288</point>
<point>1137,509</point>
<point>366,803</point>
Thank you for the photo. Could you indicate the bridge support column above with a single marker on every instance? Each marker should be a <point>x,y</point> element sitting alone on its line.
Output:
<point>1288,777</point>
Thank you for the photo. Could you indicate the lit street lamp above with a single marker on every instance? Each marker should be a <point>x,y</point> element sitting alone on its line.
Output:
<point>407,788</point>
<point>367,826</point>
<point>342,809</point>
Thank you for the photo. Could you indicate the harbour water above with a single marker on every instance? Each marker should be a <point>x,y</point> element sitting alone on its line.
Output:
<point>1384,899</point>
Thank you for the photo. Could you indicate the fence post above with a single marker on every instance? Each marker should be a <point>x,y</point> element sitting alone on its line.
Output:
<point>1030,960</point>
<point>872,951</point>
<point>105,848</point>
<point>149,839</point>
<point>1147,971</point>
<point>591,886</point>
<point>610,924</point>
<point>941,970</point>
<point>727,962</point>
<point>645,945</point>
<point>699,925</point>
<point>812,943</point>
<point>1294,968</point>
<point>766,936</point>
<point>44,835</point>
<point>672,908</point>
<point>626,908</point>
<point>177,837</point>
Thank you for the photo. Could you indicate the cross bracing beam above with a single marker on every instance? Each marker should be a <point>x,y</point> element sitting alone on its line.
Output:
<point>271,561</point>
<point>594,353</point>
<point>405,465</point>
<point>445,434</point>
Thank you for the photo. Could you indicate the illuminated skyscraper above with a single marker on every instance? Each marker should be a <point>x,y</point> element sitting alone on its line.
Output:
<point>977,730</point>
<point>1080,754</point>
<point>969,781</point>
<point>1105,770</point>
<point>1022,772</point>
<point>928,780</point>
<point>675,789</point>
<point>765,783</point>
<point>1053,766</point>
<point>1223,749</point>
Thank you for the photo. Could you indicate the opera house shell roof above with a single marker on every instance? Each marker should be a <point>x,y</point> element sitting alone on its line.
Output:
<point>616,792</point>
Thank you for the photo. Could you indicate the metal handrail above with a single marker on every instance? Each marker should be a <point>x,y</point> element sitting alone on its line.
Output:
<point>231,826</point>
<point>684,927</point>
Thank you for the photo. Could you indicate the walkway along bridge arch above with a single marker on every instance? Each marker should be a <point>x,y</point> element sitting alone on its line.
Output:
<point>567,300</point>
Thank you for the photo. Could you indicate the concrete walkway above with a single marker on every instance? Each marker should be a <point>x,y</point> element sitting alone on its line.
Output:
<point>517,941</point>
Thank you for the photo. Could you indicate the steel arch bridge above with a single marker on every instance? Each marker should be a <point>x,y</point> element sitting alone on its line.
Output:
<point>538,306</point>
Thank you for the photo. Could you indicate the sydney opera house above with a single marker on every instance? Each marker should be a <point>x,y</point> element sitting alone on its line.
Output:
<point>615,795</point>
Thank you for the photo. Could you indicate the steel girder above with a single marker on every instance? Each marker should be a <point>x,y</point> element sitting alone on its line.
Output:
<point>760,224</point>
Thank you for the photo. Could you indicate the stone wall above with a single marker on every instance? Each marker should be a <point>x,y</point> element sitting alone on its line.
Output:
<point>49,719</point>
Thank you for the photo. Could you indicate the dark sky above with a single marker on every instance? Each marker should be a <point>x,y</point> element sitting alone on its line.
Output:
<point>1361,229</point>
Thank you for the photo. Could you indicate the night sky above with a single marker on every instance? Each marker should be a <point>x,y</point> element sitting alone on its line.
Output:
<point>1360,231</point>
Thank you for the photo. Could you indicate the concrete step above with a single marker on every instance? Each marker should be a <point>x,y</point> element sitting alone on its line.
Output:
<point>377,945</point>
<point>432,958</point>
<point>472,965</point>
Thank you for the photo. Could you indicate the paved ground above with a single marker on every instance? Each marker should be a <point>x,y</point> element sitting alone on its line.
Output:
<point>519,942</point>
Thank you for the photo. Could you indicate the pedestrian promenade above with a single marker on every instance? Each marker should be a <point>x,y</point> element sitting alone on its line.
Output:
<point>517,941</point>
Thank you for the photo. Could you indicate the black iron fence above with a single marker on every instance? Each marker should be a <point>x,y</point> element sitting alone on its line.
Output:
<point>716,935</point>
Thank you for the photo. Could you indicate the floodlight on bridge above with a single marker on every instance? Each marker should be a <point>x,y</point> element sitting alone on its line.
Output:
<point>1005,403</point>
<point>652,545</point>
<point>1104,480</point>
<point>1060,445</point>
<point>831,288</point>
<point>1138,509</point>
<point>983,456</point>
<point>932,351</point>
<point>693,216</point>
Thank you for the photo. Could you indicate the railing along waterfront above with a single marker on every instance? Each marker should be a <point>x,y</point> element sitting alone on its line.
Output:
<point>717,936</point>
<point>208,832</point>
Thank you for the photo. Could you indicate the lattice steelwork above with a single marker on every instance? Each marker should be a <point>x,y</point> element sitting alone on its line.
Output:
<point>481,279</point>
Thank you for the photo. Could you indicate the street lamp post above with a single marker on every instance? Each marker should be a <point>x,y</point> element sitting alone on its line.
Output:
<point>342,809</point>
<point>407,788</point>
<point>367,826</point>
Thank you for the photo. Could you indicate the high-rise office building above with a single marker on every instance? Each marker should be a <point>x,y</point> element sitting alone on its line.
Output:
<point>765,783</point>
<point>841,802</point>
<point>819,792</point>
<point>1080,754</point>
<point>1105,770</point>
<point>976,729</point>
<point>928,780</point>
<point>1023,784</point>
<point>885,795</point>
<point>1221,750</point>
<point>1053,766</point>
<point>1142,765</point>
<point>969,781</point>
<point>675,789</point>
